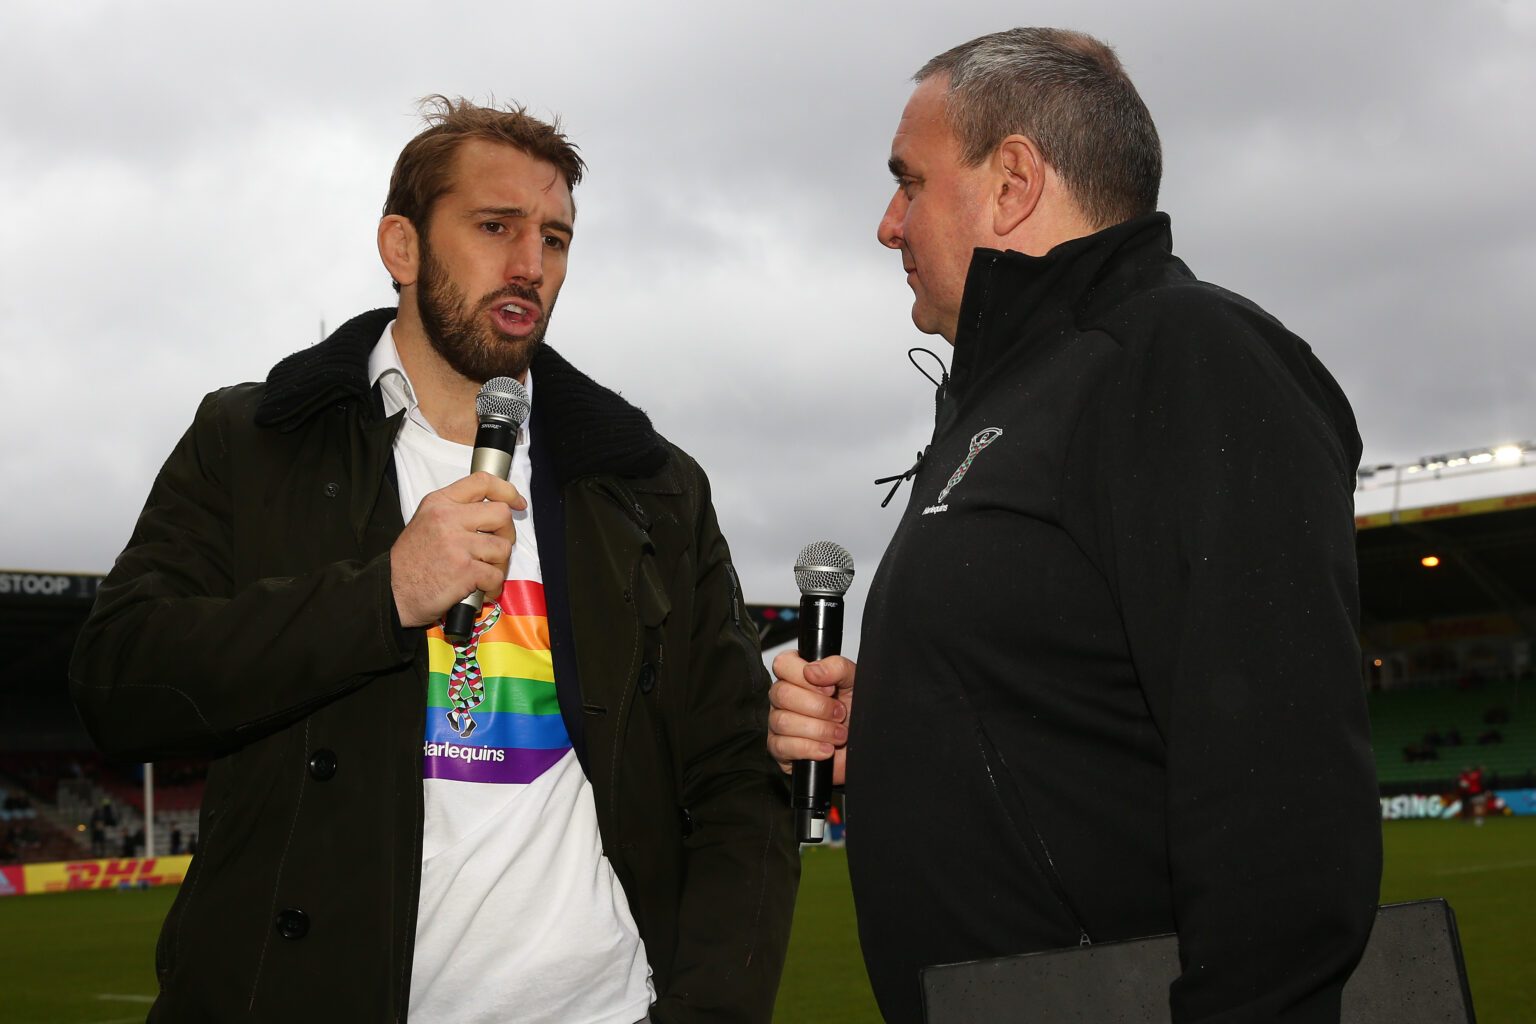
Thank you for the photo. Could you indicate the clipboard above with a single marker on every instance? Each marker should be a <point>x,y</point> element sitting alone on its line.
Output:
<point>1411,972</point>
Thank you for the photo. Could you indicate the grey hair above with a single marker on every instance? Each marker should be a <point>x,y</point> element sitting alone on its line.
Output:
<point>1070,95</point>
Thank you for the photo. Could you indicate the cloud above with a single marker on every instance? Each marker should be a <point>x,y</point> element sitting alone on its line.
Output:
<point>190,191</point>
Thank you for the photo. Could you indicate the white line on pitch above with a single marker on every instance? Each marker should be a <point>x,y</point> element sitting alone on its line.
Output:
<point>1476,869</point>
<point>125,999</point>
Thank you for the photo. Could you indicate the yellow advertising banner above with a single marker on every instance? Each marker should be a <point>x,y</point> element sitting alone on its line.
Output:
<point>132,872</point>
<point>1451,511</point>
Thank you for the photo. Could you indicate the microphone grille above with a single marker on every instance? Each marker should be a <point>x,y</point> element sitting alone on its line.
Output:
<point>824,568</point>
<point>503,398</point>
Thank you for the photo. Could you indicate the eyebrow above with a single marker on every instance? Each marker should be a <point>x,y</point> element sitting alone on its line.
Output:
<point>519,212</point>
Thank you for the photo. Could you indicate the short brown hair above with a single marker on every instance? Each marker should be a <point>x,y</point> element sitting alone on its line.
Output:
<point>1069,94</point>
<point>423,171</point>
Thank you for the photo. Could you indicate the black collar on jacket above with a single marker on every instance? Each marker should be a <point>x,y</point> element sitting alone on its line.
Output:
<point>591,429</point>
<point>1011,296</point>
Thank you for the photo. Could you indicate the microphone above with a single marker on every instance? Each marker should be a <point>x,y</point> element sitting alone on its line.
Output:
<point>502,405</point>
<point>823,572</point>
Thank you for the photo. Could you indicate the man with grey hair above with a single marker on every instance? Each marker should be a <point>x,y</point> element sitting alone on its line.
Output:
<point>1110,665</point>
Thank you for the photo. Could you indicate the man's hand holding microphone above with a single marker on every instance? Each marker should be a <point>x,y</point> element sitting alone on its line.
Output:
<point>460,540</point>
<point>812,693</point>
<point>812,704</point>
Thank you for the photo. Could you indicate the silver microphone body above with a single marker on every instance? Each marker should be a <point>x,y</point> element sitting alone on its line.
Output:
<point>502,406</point>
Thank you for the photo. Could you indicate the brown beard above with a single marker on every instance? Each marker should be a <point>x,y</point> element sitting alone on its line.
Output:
<point>467,342</point>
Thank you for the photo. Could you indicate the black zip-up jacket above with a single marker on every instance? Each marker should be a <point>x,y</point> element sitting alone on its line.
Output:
<point>1110,682</point>
<point>250,619</point>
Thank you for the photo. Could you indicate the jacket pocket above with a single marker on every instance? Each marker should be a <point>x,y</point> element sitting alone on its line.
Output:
<point>209,835</point>
<point>1011,799</point>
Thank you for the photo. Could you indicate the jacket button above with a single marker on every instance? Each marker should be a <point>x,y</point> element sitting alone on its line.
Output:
<point>332,489</point>
<point>647,678</point>
<point>322,765</point>
<point>293,924</point>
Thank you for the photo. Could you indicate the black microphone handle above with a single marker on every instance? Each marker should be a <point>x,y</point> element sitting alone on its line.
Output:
<point>821,636</point>
<point>494,442</point>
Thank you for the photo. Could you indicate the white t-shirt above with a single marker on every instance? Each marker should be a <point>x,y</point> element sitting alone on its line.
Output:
<point>521,918</point>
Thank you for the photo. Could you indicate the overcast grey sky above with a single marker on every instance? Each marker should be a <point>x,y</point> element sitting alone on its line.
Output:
<point>189,190</point>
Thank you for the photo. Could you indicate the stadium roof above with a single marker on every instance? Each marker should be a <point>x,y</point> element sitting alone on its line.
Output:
<point>1471,515</point>
<point>40,613</point>
<point>1455,559</point>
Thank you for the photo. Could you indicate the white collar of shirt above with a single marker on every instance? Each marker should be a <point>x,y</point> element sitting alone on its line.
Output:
<point>385,370</point>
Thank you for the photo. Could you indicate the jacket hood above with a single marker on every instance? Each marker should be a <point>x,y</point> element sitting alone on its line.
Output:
<point>590,428</point>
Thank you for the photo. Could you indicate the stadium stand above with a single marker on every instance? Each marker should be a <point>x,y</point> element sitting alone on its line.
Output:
<point>30,828</point>
<point>66,790</point>
<point>1409,718</point>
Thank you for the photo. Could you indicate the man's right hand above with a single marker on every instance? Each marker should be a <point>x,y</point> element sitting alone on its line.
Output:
<point>459,541</point>
<point>812,703</point>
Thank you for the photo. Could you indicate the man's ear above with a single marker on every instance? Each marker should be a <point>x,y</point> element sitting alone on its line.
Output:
<point>1020,180</point>
<point>399,248</point>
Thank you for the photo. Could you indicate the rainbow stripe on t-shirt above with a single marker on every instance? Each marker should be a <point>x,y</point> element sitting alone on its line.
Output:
<point>492,713</point>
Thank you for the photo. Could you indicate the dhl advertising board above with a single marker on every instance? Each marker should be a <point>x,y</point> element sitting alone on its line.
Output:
<point>131,872</point>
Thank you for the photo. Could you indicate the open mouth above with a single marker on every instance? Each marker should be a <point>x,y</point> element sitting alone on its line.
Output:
<point>515,317</point>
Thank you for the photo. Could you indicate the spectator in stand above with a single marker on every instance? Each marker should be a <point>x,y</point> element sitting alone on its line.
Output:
<point>125,848</point>
<point>98,836</point>
<point>175,840</point>
<point>1488,736</point>
<point>17,805</point>
<point>1452,737</point>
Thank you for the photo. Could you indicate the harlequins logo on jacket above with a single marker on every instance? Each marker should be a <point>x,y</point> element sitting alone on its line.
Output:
<point>980,441</point>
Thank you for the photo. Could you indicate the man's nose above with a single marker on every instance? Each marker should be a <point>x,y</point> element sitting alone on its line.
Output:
<point>525,258</point>
<point>889,231</point>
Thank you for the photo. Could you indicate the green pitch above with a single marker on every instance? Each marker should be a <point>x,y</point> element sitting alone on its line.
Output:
<point>88,957</point>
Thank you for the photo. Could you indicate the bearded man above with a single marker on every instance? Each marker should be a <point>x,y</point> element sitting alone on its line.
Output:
<point>566,815</point>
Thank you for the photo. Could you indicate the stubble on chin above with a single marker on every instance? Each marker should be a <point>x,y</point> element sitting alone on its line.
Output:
<point>463,337</point>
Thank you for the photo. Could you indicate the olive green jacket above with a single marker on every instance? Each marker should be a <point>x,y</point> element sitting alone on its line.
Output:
<point>251,620</point>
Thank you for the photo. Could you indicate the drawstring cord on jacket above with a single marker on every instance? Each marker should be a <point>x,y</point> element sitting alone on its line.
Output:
<point>938,399</point>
